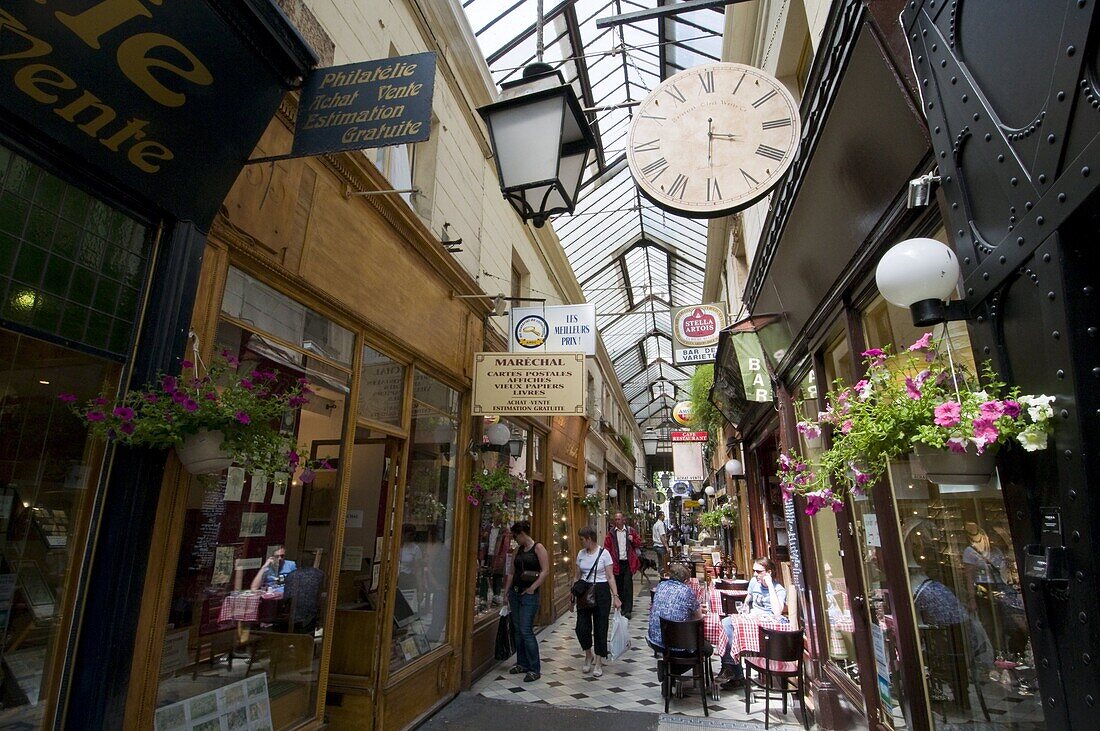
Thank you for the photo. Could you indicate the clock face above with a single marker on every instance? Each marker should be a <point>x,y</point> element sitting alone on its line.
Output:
<point>713,139</point>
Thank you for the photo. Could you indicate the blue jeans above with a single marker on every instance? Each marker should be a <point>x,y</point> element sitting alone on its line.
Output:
<point>524,607</point>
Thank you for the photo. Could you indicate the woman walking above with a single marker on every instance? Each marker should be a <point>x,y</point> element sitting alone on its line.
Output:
<point>530,567</point>
<point>594,565</point>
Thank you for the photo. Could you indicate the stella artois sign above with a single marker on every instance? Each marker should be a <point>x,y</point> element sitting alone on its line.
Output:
<point>695,333</point>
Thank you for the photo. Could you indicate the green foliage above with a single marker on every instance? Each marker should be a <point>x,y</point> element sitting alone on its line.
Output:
<point>504,496</point>
<point>713,519</point>
<point>593,503</point>
<point>627,444</point>
<point>707,417</point>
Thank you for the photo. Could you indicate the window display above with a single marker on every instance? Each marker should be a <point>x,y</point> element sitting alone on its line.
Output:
<point>560,555</point>
<point>48,471</point>
<point>494,537</point>
<point>255,559</point>
<point>962,576</point>
<point>426,543</point>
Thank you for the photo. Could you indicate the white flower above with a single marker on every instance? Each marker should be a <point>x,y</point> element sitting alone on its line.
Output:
<point>1039,408</point>
<point>865,392</point>
<point>1032,438</point>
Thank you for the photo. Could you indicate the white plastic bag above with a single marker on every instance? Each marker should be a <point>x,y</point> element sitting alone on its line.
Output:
<point>505,609</point>
<point>618,641</point>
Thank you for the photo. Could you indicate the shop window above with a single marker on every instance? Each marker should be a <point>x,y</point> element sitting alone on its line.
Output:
<point>494,537</point>
<point>382,389</point>
<point>561,555</point>
<point>48,472</point>
<point>962,578</point>
<point>71,267</point>
<point>263,309</point>
<point>427,539</point>
<point>251,583</point>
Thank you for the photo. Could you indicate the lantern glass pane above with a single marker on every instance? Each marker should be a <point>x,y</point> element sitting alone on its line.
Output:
<point>527,140</point>
<point>572,167</point>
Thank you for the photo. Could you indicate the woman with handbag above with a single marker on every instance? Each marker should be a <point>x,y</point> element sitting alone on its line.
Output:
<point>530,567</point>
<point>592,595</point>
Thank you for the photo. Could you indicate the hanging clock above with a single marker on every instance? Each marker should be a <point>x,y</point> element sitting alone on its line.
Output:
<point>712,140</point>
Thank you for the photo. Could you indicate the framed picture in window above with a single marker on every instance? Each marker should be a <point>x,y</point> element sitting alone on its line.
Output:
<point>40,599</point>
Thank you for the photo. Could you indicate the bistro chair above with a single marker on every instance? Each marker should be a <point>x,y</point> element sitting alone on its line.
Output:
<point>778,662</point>
<point>694,653</point>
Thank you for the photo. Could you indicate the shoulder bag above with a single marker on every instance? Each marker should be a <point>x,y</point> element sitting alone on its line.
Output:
<point>584,590</point>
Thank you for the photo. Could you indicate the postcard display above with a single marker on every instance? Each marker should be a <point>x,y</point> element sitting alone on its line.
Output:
<point>241,706</point>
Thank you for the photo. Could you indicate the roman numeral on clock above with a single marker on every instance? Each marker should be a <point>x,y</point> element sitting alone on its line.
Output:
<point>769,152</point>
<point>738,85</point>
<point>654,169</point>
<point>651,146</point>
<point>675,93</point>
<point>714,193</point>
<point>753,182</point>
<point>678,187</point>
<point>764,98</point>
<point>707,80</point>
<point>777,123</point>
<point>656,117</point>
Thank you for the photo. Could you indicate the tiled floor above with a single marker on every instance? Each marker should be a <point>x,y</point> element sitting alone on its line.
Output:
<point>629,683</point>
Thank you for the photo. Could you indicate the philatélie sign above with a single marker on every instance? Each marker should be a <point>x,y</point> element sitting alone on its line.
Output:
<point>368,104</point>
<point>542,384</point>
<point>695,333</point>
<point>554,329</point>
<point>167,99</point>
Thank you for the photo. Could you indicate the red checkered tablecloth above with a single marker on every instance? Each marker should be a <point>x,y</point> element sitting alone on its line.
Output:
<point>746,635</point>
<point>244,607</point>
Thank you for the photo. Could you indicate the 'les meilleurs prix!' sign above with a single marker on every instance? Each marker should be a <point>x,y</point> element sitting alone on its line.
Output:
<point>165,98</point>
<point>368,104</point>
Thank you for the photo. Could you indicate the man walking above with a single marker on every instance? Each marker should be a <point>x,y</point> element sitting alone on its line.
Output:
<point>660,540</point>
<point>623,542</point>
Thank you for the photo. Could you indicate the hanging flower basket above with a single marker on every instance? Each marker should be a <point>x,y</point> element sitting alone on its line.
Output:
<point>943,466</point>
<point>202,453</point>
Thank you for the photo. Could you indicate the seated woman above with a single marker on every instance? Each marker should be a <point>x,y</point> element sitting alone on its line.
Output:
<point>766,599</point>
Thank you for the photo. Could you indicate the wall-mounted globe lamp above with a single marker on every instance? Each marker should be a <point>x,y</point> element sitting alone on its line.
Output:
<point>709,490</point>
<point>590,479</point>
<point>921,274</point>
<point>613,493</point>
<point>734,468</point>
<point>498,434</point>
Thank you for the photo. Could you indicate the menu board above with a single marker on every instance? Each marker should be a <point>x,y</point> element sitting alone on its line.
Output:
<point>793,550</point>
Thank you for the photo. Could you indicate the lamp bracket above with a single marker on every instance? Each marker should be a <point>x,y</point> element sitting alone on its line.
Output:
<point>929,312</point>
<point>348,192</point>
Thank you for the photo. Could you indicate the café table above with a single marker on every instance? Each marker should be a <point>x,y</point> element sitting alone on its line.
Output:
<point>249,606</point>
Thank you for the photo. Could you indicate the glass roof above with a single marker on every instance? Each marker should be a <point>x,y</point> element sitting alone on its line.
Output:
<point>634,261</point>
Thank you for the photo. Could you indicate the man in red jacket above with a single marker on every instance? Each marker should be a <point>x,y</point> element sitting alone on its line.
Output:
<point>623,542</point>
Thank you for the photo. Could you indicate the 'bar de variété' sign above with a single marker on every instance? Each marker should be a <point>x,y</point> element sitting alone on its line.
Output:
<point>367,104</point>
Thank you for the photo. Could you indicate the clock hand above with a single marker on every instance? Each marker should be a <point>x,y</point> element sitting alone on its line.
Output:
<point>710,138</point>
<point>724,136</point>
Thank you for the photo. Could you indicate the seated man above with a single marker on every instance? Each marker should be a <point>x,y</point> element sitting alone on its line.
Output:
<point>675,601</point>
<point>272,575</point>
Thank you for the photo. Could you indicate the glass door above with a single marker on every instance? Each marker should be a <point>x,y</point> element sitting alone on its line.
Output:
<point>376,460</point>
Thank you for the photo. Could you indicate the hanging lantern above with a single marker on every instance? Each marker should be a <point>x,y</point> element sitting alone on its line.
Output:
<point>541,141</point>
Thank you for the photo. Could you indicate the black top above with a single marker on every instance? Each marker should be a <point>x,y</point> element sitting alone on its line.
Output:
<point>526,560</point>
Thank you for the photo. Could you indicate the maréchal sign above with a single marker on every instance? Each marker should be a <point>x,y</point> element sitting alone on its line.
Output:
<point>368,104</point>
<point>511,383</point>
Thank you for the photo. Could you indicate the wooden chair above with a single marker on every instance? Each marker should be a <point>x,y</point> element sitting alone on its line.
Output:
<point>693,652</point>
<point>780,658</point>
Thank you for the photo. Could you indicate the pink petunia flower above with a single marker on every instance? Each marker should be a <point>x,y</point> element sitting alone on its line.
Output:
<point>247,384</point>
<point>985,433</point>
<point>1012,408</point>
<point>233,361</point>
<point>947,414</point>
<point>243,417</point>
<point>837,506</point>
<point>211,396</point>
<point>992,409</point>
<point>846,426</point>
<point>294,458</point>
<point>99,401</point>
<point>127,428</point>
<point>956,444</point>
<point>151,398</point>
<point>923,342</point>
<point>95,416</point>
<point>296,401</point>
<point>186,364</point>
<point>912,389</point>
<point>124,412</point>
<point>169,384</point>
<point>67,398</point>
<point>179,396</point>
<point>191,404</point>
<point>873,353</point>
<point>308,476</point>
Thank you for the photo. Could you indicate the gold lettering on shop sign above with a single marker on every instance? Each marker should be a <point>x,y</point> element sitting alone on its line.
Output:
<point>138,57</point>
